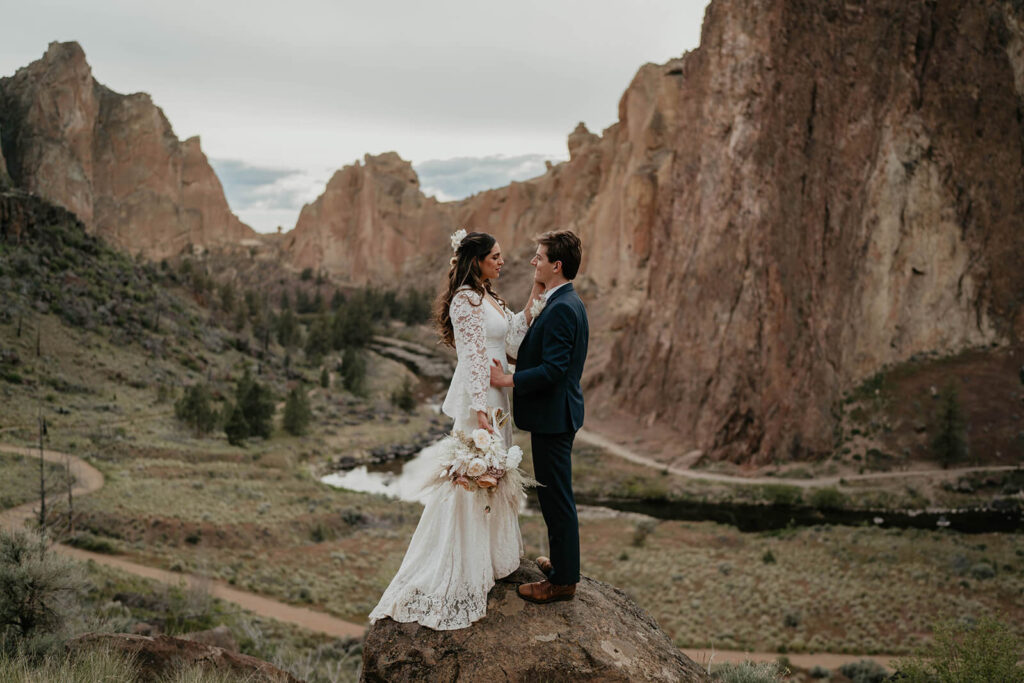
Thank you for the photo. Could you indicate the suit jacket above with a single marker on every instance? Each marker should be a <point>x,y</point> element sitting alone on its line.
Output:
<point>546,393</point>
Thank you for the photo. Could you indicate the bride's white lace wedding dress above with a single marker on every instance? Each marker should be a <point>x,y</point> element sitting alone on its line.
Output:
<point>464,540</point>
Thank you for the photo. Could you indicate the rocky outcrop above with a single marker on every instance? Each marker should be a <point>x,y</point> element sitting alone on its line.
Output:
<point>601,635</point>
<point>111,159</point>
<point>817,191</point>
<point>845,184</point>
<point>162,656</point>
<point>371,223</point>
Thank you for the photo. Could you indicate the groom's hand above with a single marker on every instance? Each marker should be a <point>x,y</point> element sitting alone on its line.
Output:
<point>498,377</point>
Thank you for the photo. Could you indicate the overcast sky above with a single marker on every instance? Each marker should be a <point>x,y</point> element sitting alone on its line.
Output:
<point>474,93</point>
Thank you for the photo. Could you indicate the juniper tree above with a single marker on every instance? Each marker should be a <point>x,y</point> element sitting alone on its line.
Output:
<point>296,412</point>
<point>950,440</point>
<point>195,410</point>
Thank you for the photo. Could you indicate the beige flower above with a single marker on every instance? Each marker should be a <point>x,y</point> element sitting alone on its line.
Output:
<point>482,438</point>
<point>476,467</point>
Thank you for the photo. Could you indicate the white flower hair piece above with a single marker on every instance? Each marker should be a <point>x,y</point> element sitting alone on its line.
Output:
<point>457,238</point>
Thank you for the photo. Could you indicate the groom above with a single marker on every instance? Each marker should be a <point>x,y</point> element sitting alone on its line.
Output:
<point>548,403</point>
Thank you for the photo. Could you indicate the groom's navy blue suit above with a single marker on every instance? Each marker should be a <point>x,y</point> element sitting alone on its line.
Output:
<point>548,403</point>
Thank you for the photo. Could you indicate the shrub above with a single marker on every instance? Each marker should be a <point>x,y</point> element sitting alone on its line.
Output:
<point>93,543</point>
<point>748,672</point>
<point>403,398</point>
<point>781,494</point>
<point>642,530</point>
<point>864,671</point>
<point>829,498</point>
<point>982,571</point>
<point>39,589</point>
<point>325,378</point>
<point>92,665</point>
<point>960,653</point>
<point>768,557</point>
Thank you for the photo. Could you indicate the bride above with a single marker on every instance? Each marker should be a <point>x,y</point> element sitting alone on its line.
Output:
<point>465,539</point>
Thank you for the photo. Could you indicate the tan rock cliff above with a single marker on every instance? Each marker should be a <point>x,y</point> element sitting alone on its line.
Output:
<point>111,159</point>
<point>371,223</point>
<point>815,192</point>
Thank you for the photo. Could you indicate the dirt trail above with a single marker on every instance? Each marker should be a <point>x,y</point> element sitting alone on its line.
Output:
<point>607,444</point>
<point>89,479</point>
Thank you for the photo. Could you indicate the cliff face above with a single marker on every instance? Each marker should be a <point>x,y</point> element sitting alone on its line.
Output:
<point>371,223</point>
<point>817,191</point>
<point>846,187</point>
<point>111,159</point>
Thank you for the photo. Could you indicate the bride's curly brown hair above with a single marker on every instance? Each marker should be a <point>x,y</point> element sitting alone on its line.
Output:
<point>464,272</point>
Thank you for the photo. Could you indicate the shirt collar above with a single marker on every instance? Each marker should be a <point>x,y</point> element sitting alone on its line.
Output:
<point>548,293</point>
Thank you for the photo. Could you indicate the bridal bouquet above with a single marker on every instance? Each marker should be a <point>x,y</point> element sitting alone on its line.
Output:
<point>478,460</point>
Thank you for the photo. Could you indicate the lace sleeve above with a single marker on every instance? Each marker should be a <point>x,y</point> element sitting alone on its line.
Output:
<point>517,327</point>
<point>468,324</point>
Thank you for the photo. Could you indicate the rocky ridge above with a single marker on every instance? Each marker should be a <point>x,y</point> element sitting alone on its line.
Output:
<point>111,159</point>
<point>814,193</point>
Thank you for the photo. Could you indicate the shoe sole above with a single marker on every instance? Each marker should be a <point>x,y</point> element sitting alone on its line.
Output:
<point>535,601</point>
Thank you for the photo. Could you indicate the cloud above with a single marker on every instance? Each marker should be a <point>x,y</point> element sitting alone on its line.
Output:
<point>266,197</point>
<point>450,179</point>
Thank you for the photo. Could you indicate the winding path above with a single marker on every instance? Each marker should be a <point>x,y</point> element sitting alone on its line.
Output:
<point>89,479</point>
<point>610,446</point>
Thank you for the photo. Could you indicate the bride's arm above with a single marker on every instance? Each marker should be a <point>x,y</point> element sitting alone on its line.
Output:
<point>467,318</point>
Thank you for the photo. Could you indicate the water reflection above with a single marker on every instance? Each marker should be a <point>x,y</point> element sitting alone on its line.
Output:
<point>395,479</point>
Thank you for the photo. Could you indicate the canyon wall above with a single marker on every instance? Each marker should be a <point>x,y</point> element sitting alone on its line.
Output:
<point>817,191</point>
<point>111,159</point>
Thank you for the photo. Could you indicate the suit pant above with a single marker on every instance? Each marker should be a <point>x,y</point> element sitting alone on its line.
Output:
<point>552,466</point>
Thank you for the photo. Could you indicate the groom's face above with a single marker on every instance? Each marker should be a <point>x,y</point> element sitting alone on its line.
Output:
<point>544,270</point>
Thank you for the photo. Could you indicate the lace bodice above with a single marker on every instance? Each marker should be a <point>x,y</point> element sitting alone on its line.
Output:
<point>482,333</point>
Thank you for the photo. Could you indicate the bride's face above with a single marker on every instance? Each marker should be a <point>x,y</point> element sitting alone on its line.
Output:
<point>490,265</point>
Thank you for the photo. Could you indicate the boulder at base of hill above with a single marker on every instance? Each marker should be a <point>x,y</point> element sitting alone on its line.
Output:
<point>163,655</point>
<point>600,635</point>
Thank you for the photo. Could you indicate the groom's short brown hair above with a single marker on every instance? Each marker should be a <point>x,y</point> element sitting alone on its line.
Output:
<point>566,247</point>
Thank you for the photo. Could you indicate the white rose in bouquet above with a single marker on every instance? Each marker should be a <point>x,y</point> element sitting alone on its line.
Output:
<point>476,467</point>
<point>482,438</point>
<point>514,457</point>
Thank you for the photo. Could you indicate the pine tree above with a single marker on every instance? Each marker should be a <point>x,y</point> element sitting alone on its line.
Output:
<point>195,410</point>
<point>235,427</point>
<point>353,371</point>
<point>296,412</point>
<point>318,341</point>
<point>325,379</point>
<point>256,403</point>
<point>950,439</point>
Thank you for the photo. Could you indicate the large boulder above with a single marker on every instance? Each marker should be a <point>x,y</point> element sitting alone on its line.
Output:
<point>600,635</point>
<point>159,656</point>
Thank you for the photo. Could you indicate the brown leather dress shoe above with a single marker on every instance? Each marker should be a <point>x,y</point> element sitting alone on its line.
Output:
<point>544,564</point>
<point>542,592</point>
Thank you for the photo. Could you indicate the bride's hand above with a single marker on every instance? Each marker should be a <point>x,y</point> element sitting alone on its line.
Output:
<point>482,422</point>
<point>537,291</point>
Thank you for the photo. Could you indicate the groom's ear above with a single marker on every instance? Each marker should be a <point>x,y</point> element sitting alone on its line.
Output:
<point>556,266</point>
